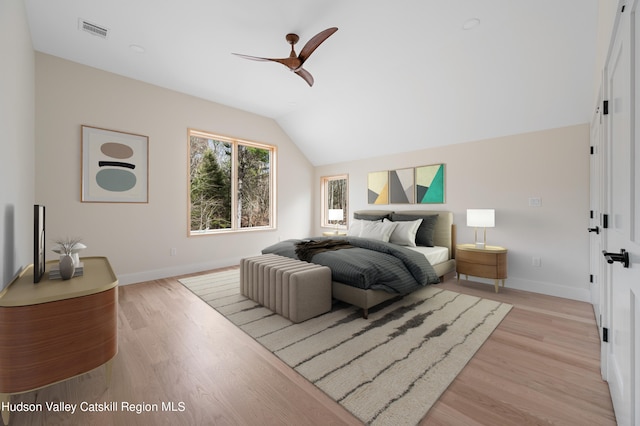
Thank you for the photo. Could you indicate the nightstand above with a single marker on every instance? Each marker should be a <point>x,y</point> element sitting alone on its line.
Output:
<point>489,262</point>
<point>334,234</point>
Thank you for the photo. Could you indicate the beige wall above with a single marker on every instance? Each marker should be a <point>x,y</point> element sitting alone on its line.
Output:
<point>138,238</point>
<point>499,173</point>
<point>16,141</point>
<point>503,173</point>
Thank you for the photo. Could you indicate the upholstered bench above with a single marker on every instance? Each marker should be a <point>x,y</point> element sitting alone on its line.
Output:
<point>295,289</point>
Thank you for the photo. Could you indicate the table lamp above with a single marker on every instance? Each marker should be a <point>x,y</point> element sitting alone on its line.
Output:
<point>336,215</point>
<point>481,218</point>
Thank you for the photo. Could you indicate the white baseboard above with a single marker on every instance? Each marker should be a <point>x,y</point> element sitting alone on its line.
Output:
<point>138,277</point>
<point>550,289</point>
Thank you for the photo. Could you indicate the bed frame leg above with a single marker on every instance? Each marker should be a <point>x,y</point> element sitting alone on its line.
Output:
<point>365,313</point>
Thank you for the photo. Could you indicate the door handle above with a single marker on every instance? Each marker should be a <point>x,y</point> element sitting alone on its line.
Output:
<point>596,230</point>
<point>622,257</point>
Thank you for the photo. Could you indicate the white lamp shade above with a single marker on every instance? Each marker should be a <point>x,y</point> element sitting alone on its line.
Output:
<point>481,218</point>
<point>336,214</point>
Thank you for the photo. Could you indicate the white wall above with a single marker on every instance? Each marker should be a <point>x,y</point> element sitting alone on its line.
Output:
<point>137,238</point>
<point>606,20</point>
<point>503,173</point>
<point>16,141</point>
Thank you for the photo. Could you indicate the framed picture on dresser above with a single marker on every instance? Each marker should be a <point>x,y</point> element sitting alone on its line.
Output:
<point>38,242</point>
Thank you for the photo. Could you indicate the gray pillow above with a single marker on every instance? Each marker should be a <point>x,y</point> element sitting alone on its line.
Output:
<point>370,216</point>
<point>424,236</point>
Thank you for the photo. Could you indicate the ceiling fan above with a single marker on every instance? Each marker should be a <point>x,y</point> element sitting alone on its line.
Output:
<point>294,62</point>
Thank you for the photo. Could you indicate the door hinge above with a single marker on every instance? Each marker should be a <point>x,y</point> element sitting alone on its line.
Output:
<point>623,7</point>
<point>605,221</point>
<point>591,278</point>
<point>592,150</point>
<point>605,334</point>
<point>605,107</point>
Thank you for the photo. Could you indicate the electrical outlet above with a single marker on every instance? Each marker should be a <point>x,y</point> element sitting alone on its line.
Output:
<point>173,251</point>
<point>536,261</point>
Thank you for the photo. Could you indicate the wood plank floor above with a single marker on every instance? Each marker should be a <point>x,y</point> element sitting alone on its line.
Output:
<point>540,366</point>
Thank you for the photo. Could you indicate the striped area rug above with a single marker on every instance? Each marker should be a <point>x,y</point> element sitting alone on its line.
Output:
<point>388,369</point>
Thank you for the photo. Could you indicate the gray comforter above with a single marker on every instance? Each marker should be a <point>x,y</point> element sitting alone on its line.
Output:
<point>370,264</point>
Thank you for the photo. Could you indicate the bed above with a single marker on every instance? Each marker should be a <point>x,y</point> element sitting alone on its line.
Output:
<point>434,237</point>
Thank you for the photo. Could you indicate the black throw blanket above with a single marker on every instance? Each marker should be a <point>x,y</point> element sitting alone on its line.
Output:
<point>306,249</point>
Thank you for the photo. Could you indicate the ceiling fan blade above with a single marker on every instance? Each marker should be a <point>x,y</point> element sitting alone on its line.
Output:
<point>291,63</point>
<point>305,75</point>
<point>253,58</point>
<point>313,44</point>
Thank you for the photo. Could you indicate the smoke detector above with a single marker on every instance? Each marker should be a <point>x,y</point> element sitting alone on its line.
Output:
<point>93,29</point>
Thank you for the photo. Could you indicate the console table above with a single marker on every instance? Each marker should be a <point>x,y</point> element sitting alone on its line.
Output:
<point>55,330</point>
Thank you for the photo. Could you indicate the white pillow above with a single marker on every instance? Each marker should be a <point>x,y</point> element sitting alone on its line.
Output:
<point>355,229</point>
<point>378,230</point>
<point>404,233</point>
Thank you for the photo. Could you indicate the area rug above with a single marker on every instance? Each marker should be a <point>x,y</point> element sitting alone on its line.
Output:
<point>387,369</point>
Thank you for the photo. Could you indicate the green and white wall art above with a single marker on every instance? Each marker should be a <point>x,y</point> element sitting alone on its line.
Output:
<point>430,184</point>
<point>421,185</point>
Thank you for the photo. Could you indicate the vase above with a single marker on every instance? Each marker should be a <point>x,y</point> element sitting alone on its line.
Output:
<point>67,267</point>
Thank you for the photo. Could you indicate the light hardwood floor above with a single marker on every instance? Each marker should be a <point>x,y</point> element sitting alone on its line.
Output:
<point>540,366</point>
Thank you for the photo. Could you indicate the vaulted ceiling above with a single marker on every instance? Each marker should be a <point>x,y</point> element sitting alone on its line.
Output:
<point>397,75</point>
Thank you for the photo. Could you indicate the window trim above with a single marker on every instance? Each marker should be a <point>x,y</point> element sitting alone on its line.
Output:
<point>324,213</point>
<point>234,183</point>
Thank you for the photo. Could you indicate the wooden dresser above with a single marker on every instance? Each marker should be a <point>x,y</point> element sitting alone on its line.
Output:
<point>489,262</point>
<point>55,330</point>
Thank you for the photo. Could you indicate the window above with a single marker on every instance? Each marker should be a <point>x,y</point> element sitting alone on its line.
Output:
<point>231,184</point>
<point>335,195</point>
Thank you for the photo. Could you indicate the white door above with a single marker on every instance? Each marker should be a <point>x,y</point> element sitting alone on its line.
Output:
<point>595,207</point>
<point>623,232</point>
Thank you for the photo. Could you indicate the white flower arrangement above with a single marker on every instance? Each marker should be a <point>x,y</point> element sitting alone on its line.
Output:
<point>71,247</point>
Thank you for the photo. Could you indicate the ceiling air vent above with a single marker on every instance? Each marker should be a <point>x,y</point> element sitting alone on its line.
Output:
<point>93,29</point>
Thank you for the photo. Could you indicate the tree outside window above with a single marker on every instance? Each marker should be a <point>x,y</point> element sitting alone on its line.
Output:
<point>335,195</point>
<point>230,184</point>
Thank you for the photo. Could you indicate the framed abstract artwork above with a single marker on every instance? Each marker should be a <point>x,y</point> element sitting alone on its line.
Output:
<point>430,184</point>
<point>378,188</point>
<point>402,186</point>
<point>115,166</point>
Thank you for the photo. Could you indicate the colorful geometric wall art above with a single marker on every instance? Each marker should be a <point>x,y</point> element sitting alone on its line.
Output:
<point>114,166</point>
<point>378,188</point>
<point>401,186</point>
<point>430,184</point>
